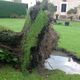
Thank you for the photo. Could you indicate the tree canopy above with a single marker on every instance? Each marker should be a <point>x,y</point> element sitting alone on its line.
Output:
<point>72,11</point>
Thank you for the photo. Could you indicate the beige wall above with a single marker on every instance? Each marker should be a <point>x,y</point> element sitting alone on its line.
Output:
<point>78,10</point>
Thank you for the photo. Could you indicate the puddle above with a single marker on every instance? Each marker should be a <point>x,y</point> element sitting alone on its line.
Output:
<point>62,63</point>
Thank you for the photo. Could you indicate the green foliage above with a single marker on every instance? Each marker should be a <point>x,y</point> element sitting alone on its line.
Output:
<point>5,56</point>
<point>48,6</point>
<point>51,8</point>
<point>72,11</point>
<point>44,5</point>
<point>10,9</point>
<point>32,36</point>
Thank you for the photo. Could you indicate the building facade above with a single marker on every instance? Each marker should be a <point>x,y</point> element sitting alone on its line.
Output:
<point>64,5</point>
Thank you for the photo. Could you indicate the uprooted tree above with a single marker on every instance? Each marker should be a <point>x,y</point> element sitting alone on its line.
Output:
<point>36,41</point>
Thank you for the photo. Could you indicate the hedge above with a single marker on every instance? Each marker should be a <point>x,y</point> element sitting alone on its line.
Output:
<point>10,9</point>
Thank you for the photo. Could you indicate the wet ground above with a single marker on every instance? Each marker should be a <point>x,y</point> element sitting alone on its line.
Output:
<point>61,61</point>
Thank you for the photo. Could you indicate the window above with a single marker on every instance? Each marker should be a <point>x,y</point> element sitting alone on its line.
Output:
<point>56,8</point>
<point>63,7</point>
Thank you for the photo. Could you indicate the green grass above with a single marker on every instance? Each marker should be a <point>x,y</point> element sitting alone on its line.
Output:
<point>69,37</point>
<point>8,73</point>
<point>12,24</point>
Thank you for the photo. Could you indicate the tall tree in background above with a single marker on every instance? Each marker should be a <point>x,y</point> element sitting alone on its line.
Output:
<point>71,13</point>
<point>51,8</point>
<point>45,5</point>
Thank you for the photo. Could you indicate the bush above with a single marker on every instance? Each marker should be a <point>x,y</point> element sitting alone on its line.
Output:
<point>6,57</point>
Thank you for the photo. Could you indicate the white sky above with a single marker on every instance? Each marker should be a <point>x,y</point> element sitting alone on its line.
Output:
<point>30,2</point>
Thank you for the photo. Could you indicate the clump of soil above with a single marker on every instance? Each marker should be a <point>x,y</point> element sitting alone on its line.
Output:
<point>11,41</point>
<point>47,41</point>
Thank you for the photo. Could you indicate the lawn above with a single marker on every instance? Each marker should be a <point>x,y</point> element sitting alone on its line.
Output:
<point>69,39</point>
<point>12,24</point>
<point>8,73</point>
<point>69,36</point>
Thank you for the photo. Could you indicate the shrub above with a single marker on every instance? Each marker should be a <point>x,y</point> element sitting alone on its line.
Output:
<point>6,57</point>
